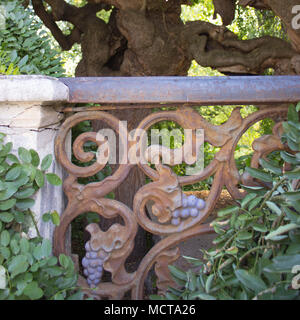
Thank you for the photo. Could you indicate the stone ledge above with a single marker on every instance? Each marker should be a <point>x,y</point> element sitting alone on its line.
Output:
<point>33,88</point>
<point>28,115</point>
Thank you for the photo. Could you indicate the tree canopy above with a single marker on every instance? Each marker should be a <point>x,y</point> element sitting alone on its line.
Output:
<point>141,37</point>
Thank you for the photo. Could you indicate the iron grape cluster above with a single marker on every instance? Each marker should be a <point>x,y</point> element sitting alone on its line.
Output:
<point>191,207</point>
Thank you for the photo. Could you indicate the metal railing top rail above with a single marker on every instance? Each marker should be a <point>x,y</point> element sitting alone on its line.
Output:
<point>184,90</point>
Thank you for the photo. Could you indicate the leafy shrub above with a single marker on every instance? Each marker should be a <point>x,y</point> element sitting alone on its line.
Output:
<point>258,244</point>
<point>27,268</point>
<point>27,45</point>
<point>7,67</point>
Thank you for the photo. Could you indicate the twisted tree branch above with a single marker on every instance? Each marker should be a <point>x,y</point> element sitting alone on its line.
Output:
<point>48,20</point>
<point>217,47</point>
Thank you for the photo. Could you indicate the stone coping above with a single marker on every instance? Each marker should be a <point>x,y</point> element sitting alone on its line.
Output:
<point>32,88</point>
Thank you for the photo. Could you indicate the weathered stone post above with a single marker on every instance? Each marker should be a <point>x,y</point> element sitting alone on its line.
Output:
<point>30,117</point>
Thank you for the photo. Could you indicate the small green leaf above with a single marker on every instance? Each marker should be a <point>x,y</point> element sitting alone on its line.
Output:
<point>209,282</point>
<point>13,174</point>
<point>24,155</point>
<point>46,217</point>
<point>35,159</point>
<point>46,162</point>
<point>283,263</point>
<point>255,202</point>
<point>5,252</point>
<point>269,166</point>
<point>244,235</point>
<point>273,207</point>
<point>14,246</point>
<point>177,273</point>
<point>6,217</point>
<point>53,179</point>
<point>39,178</point>
<point>259,227</point>
<point>24,204</point>
<point>292,195</point>
<point>19,216</point>
<point>227,211</point>
<point>55,218</point>
<point>289,158</point>
<point>251,281</point>
<point>37,252</point>
<point>12,158</point>
<point>25,193</point>
<point>33,291</point>
<point>281,230</point>
<point>6,149</point>
<point>11,189</point>
<point>293,216</point>
<point>18,265</point>
<point>46,247</point>
<point>23,61</point>
<point>24,245</point>
<point>8,204</point>
<point>247,199</point>
<point>259,174</point>
<point>64,261</point>
<point>293,114</point>
<point>4,238</point>
<point>295,174</point>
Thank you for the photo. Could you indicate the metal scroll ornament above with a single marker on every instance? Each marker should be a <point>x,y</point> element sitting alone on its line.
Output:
<point>176,217</point>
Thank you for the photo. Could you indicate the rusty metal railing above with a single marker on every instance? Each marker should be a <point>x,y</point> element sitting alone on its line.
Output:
<point>109,250</point>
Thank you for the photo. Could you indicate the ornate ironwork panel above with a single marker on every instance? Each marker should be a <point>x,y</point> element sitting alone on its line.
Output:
<point>108,250</point>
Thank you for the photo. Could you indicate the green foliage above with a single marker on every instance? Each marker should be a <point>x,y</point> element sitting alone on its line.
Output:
<point>26,45</point>
<point>7,67</point>
<point>258,241</point>
<point>27,268</point>
<point>251,23</point>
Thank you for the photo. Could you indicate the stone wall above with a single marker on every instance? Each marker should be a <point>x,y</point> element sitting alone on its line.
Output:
<point>30,117</point>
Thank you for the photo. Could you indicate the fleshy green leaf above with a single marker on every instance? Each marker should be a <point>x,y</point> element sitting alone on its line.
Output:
<point>6,217</point>
<point>46,162</point>
<point>250,281</point>
<point>281,230</point>
<point>24,204</point>
<point>39,178</point>
<point>55,218</point>
<point>227,211</point>
<point>8,204</point>
<point>259,174</point>
<point>13,173</point>
<point>18,265</point>
<point>33,291</point>
<point>269,166</point>
<point>24,155</point>
<point>4,238</point>
<point>53,179</point>
<point>35,159</point>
